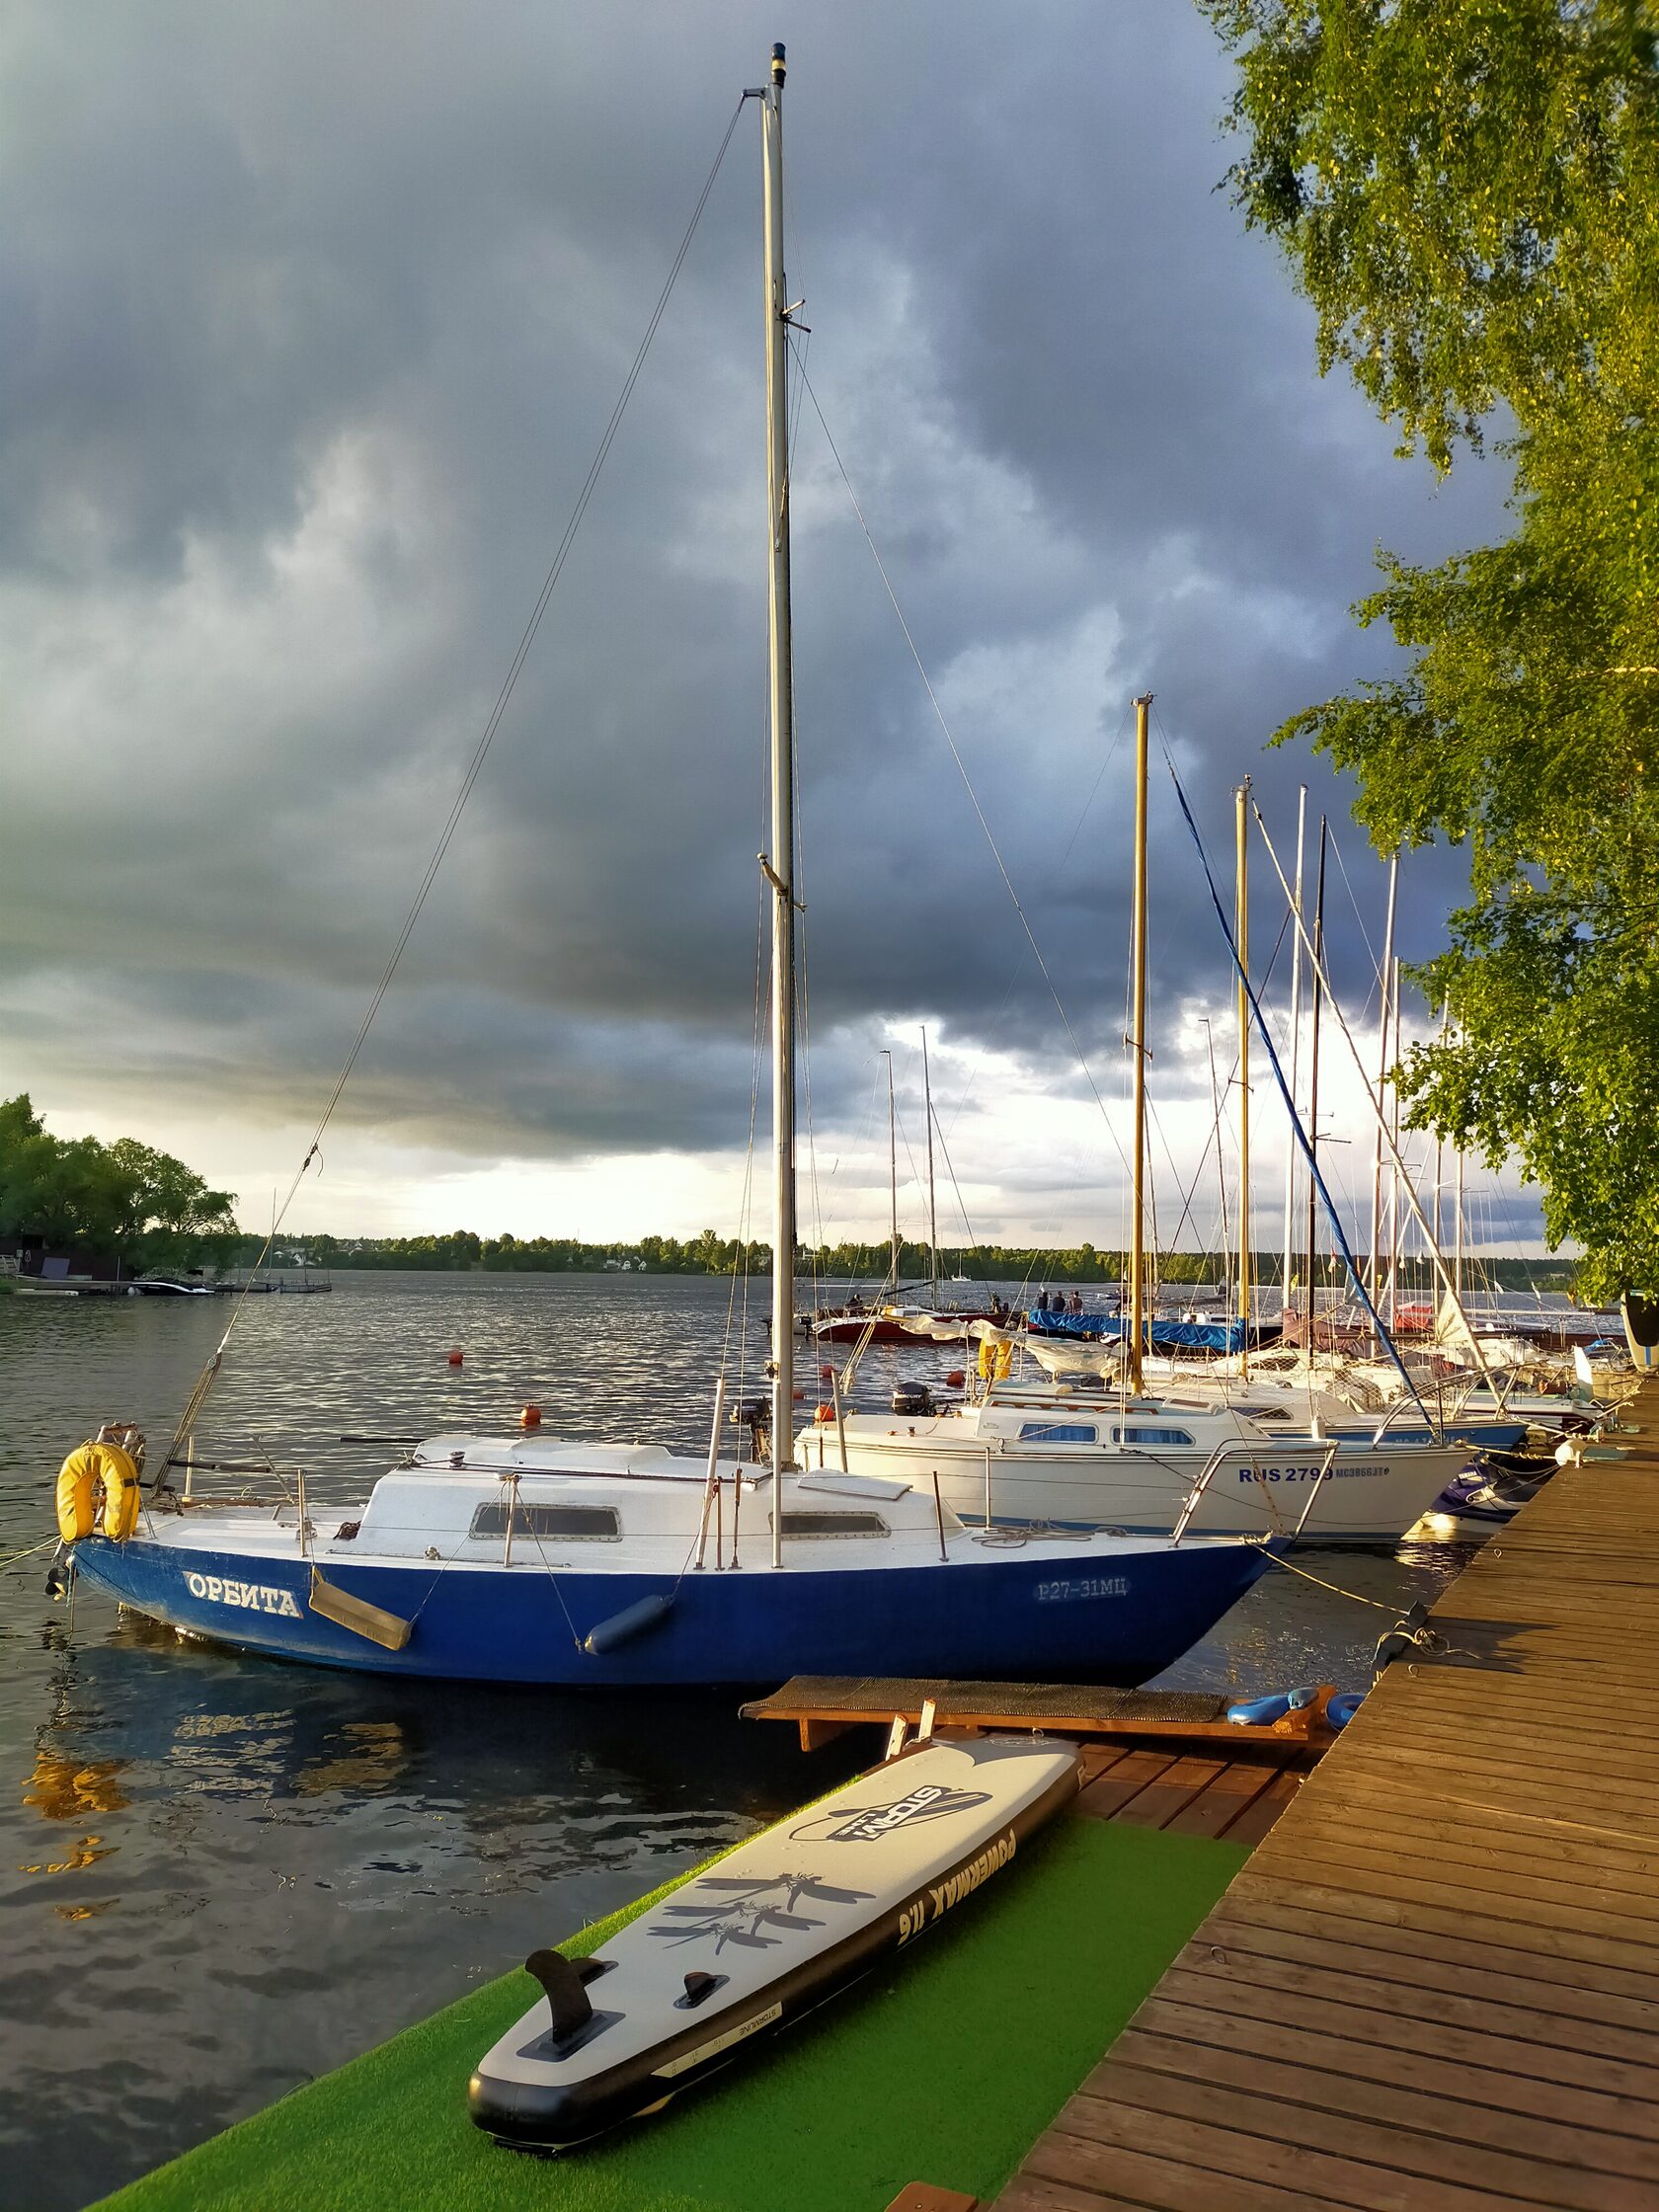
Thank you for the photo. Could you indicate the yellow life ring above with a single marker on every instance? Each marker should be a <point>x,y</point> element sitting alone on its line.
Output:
<point>1004,1359</point>
<point>121,1494</point>
<point>97,1485</point>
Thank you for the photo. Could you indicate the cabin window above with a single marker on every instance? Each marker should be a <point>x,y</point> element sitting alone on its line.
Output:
<point>595,1524</point>
<point>1150,1436</point>
<point>1059,1431</point>
<point>832,1523</point>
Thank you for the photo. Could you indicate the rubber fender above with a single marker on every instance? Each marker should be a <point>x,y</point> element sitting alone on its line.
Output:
<point>1342,1710</point>
<point>1260,1712</point>
<point>633,1620</point>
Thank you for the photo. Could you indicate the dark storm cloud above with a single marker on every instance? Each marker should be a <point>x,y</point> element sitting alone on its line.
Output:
<point>308,326</point>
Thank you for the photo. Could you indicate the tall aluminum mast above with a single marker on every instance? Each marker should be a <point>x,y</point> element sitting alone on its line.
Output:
<point>1133,1374</point>
<point>779,865</point>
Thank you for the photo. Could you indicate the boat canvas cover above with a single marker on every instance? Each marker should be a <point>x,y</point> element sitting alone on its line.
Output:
<point>1166,1336</point>
<point>771,1929</point>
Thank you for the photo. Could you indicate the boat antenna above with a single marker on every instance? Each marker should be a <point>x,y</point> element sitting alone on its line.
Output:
<point>779,867</point>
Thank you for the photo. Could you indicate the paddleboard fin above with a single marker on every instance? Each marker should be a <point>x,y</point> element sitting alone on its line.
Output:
<point>699,1984</point>
<point>571,2006</point>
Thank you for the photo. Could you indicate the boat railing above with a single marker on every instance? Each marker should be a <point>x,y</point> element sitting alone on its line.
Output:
<point>1236,1454</point>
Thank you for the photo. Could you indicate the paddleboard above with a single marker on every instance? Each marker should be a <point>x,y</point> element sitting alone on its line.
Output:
<point>765,1935</point>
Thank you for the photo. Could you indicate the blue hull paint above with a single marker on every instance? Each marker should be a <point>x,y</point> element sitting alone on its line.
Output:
<point>1112,1621</point>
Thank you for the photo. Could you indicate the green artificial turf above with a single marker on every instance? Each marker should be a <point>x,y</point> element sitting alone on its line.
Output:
<point>942,2066</point>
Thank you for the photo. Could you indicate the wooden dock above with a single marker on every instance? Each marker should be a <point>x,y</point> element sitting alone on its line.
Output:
<point>1149,1757</point>
<point>1435,1986</point>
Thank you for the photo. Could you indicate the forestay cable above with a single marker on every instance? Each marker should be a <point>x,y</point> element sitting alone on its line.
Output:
<point>475,764</point>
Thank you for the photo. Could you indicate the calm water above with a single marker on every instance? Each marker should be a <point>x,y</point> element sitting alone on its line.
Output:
<point>220,1876</point>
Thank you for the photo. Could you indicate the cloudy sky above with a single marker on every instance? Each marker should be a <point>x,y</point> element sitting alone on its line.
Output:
<point>310,322</point>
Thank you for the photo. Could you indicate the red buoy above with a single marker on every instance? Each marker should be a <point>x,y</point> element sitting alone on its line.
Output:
<point>825,1413</point>
<point>956,1379</point>
<point>825,1372</point>
<point>530,1417</point>
<point>454,1359</point>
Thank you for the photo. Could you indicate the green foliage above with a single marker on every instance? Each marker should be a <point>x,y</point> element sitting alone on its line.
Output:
<point>1469,196</point>
<point>140,1205</point>
<point>1467,192</point>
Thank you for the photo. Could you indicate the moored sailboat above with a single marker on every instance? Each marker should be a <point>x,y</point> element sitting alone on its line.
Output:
<point>584,1563</point>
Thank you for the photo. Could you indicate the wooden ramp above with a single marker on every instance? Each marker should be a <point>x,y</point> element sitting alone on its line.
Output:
<point>1435,1986</point>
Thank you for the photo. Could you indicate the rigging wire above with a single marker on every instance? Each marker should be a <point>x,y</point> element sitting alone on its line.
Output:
<point>475,766</point>
<point>1314,1169</point>
<point>962,769</point>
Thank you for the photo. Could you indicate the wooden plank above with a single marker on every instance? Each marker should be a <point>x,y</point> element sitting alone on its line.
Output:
<point>1156,2185</point>
<point>1404,2149</point>
<point>1088,2124</point>
<point>1517,1736</point>
<point>1252,1823</point>
<point>1525,2024</point>
<point>1574,1928</point>
<point>1106,1798</point>
<point>1625,2090</point>
<point>1462,2121</point>
<point>1317,1940</point>
<point>1531,1889</point>
<point>1609,1961</point>
<point>1174,1789</point>
<point>1290,2045</point>
<point>1236,1787</point>
<point>1496,1846</point>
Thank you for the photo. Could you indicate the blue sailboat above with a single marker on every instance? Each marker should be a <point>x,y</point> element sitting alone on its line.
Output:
<point>522,1559</point>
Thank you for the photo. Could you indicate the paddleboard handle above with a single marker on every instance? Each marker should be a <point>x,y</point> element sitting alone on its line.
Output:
<point>561,1981</point>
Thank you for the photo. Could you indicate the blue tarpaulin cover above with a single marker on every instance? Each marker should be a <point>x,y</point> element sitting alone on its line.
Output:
<point>1166,1336</point>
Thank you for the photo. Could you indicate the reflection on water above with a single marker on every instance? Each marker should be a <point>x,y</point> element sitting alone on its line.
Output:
<point>219,1875</point>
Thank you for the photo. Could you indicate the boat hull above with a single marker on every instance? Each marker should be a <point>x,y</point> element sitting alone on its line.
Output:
<point>1119,1620</point>
<point>1369,1496</point>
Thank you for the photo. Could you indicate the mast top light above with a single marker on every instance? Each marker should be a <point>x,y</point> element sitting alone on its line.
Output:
<point>777,63</point>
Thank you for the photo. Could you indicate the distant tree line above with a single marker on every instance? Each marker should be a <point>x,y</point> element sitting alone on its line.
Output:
<point>141,1208</point>
<point>463,1252</point>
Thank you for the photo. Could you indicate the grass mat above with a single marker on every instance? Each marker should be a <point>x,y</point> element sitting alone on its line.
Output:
<point>941,2066</point>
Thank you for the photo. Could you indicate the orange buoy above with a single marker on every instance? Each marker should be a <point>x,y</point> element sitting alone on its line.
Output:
<point>455,1359</point>
<point>530,1417</point>
<point>825,1412</point>
<point>956,1379</point>
<point>825,1372</point>
<point>797,1396</point>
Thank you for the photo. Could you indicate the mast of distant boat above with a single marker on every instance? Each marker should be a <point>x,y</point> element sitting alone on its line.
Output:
<point>1296,1054</point>
<point>779,866</point>
<point>932,1204</point>
<point>1134,1377</point>
<point>1317,956</point>
<point>1382,1065</point>
<point>1241,933</point>
<point>891,1179</point>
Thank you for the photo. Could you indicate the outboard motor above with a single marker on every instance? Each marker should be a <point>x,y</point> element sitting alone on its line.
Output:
<point>755,1415</point>
<point>913,1398</point>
